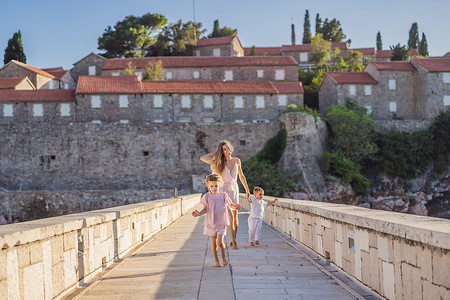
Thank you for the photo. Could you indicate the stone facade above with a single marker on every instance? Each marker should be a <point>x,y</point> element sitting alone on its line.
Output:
<point>16,69</point>
<point>88,65</point>
<point>223,46</point>
<point>23,112</point>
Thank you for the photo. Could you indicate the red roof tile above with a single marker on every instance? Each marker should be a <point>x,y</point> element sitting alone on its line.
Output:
<point>108,85</point>
<point>289,87</point>
<point>413,53</point>
<point>383,54</point>
<point>10,83</point>
<point>307,47</point>
<point>352,78</point>
<point>216,41</point>
<point>37,95</point>
<point>366,51</point>
<point>447,54</point>
<point>260,51</point>
<point>207,61</point>
<point>208,87</point>
<point>33,69</point>
<point>434,64</point>
<point>393,65</point>
<point>59,73</point>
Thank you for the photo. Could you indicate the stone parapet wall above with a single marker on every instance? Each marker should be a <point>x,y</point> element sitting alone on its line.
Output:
<point>402,125</point>
<point>397,255</point>
<point>18,206</point>
<point>48,258</point>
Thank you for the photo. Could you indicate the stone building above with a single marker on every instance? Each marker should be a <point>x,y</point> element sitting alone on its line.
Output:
<point>39,78</point>
<point>251,68</point>
<point>302,53</point>
<point>385,55</point>
<point>125,99</point>
<point>65,79</point>
<point>262,51</point>
<point>367,53</point>
<point>16,83</point>
<point>91,64</point>
<point>220,46</point>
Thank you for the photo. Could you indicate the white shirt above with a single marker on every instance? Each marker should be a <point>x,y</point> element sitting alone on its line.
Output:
<point>257,210</point>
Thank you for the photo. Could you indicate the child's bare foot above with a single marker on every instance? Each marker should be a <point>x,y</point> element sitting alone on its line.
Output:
<point>252,244</point>
<point>225,263</point>
<point>217,265</point>
<point>235,248</point>
<point>257,242</point>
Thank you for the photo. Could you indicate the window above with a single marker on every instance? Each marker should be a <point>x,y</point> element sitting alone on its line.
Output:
<point>216,52</point>
<point>38,110</point>
<point>196,74</point>
<point>209,120</point>
<point>351,240</point>
<point>185,101</point>
<point>238,102</point>
<point>168,75</point>
<point>139,74</point>
<point>157,121</point>
<point>123,121</point>
<point>369,109</point>
<point>260,102</point>
<point>115,74</point>
<point>392,84</point>
<point>352,89</point>
<point>367,90</point>
<point>279,74</point>
<point>392,106</point>
<point>208,102</point>
<point>66,86</point>
<point>157,101</point>
<point>185,120</point>
<point>123,101</point>
<point>8,110</point>
<point>239,121</point>
<point>228,75</point>
<point>64,109</point>
<point>92,70</point>
<point>96,102</point>
<point>96,122</point>
<point>303,56</point>
<point>282,100</point>
<point>446,77</point>
<point>260,73</point>
<point>446,100</point>
<point>197,53</point>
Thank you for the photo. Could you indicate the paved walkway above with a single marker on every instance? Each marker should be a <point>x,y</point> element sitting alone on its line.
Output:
<point>178,264</point>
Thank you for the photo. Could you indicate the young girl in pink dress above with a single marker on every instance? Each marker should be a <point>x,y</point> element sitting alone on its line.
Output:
<point>229,168</point>
<point>216,220</point>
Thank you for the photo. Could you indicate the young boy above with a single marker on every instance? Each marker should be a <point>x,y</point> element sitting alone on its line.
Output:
<point>256,215</point>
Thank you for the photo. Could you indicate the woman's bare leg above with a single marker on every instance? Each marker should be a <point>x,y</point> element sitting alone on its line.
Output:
<point>214,250</point>
<point>231,229</point>
<point>235,225</point>
<point>222,249</point>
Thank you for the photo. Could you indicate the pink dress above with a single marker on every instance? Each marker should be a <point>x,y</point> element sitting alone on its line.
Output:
<point>230,185</point>
<point>216,219</point>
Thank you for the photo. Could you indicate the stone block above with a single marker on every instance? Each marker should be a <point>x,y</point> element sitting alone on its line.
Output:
<point>385,248</point>
<point>23,255</point>
<point>365,268</point>
<point>33,278</point>
<point>70,267</point>
<point>3,264</point>
<point>441,263</point>
<point>3,289</point>
<point>373,239</point>
<point>57,244</point>
<point>374,269</point>
<point>36,252</point>
<point>424,262</point>
<point>388,281</point>
<point>47,262</point>
<point>411,279</point>
<point>339,236</point>
<point>70,240</point>
<point>58,278</point>
<point>398,278</point>
<point>338,254</point>
<point>12,274</point>
<point>96,231</point>
<point>430,291</point>
<point>362,239</point>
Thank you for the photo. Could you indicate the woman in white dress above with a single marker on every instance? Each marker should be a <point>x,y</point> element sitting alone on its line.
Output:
<point>229,168</point>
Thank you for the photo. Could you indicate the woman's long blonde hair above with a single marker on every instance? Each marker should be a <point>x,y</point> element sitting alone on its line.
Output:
<point>219,160</point>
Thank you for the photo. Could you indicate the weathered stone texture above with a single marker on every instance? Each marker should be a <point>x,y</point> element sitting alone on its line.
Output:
<point>82,66</point>
<point>14,70</point>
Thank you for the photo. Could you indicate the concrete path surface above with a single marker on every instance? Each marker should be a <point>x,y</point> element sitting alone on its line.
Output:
<point>178,264</point>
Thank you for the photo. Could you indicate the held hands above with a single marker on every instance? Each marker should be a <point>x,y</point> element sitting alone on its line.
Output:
<point>195,213</point>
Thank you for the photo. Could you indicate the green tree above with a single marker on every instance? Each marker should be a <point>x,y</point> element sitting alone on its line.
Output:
<point>219,32</point>
<point>331,30</point>
<point>413,41</point>
<point>353,61</point>
<point>379,42</point>
<point>423,46</point>
<point>154,72</point>
<point>129,70</point>
<point>320,50</point>
<point>318,24</point>
<point>399,53</point>
<point>132,36</point>
<point>306,29</point>
<point>14,50</point>
<point>177,39</point>
<point>253,51</point>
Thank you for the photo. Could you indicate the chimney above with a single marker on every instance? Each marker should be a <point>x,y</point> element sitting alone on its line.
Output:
<point>292,34</point>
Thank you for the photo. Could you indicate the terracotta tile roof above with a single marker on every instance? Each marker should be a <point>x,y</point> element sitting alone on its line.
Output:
<point>447,54</point>
<point>33,69</point>
<point>434,64</point>
<point>208,87</point>
<point>207,61</point>
<point>216,41</point>
<point>108,85</point>
<point>307,47</point>
<point>393,65</point>
<point>366,51</point>
<point>289,87</point>
<point>37,95</point>
<point>59,73</point>
<point>10,83</point>
<point>260,51</point>
<point>383,54</point>
<point>352,78</point>
<point>413,53</point>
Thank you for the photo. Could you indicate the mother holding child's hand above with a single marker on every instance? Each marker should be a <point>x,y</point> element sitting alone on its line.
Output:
<point>228,167</point>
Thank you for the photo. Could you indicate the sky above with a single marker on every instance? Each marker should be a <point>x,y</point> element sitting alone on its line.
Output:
<point>60,32</point>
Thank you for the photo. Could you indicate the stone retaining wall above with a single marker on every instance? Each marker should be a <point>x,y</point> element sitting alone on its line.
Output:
<point>48,258</point>
<point>399,256</point>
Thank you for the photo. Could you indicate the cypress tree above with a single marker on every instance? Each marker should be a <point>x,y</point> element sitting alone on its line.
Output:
<point>413,41</point>
<point>307,29</point>
<point>318,24</point>
<point>423,46</point>
<point>379,42</point>
<point>14,50</point>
